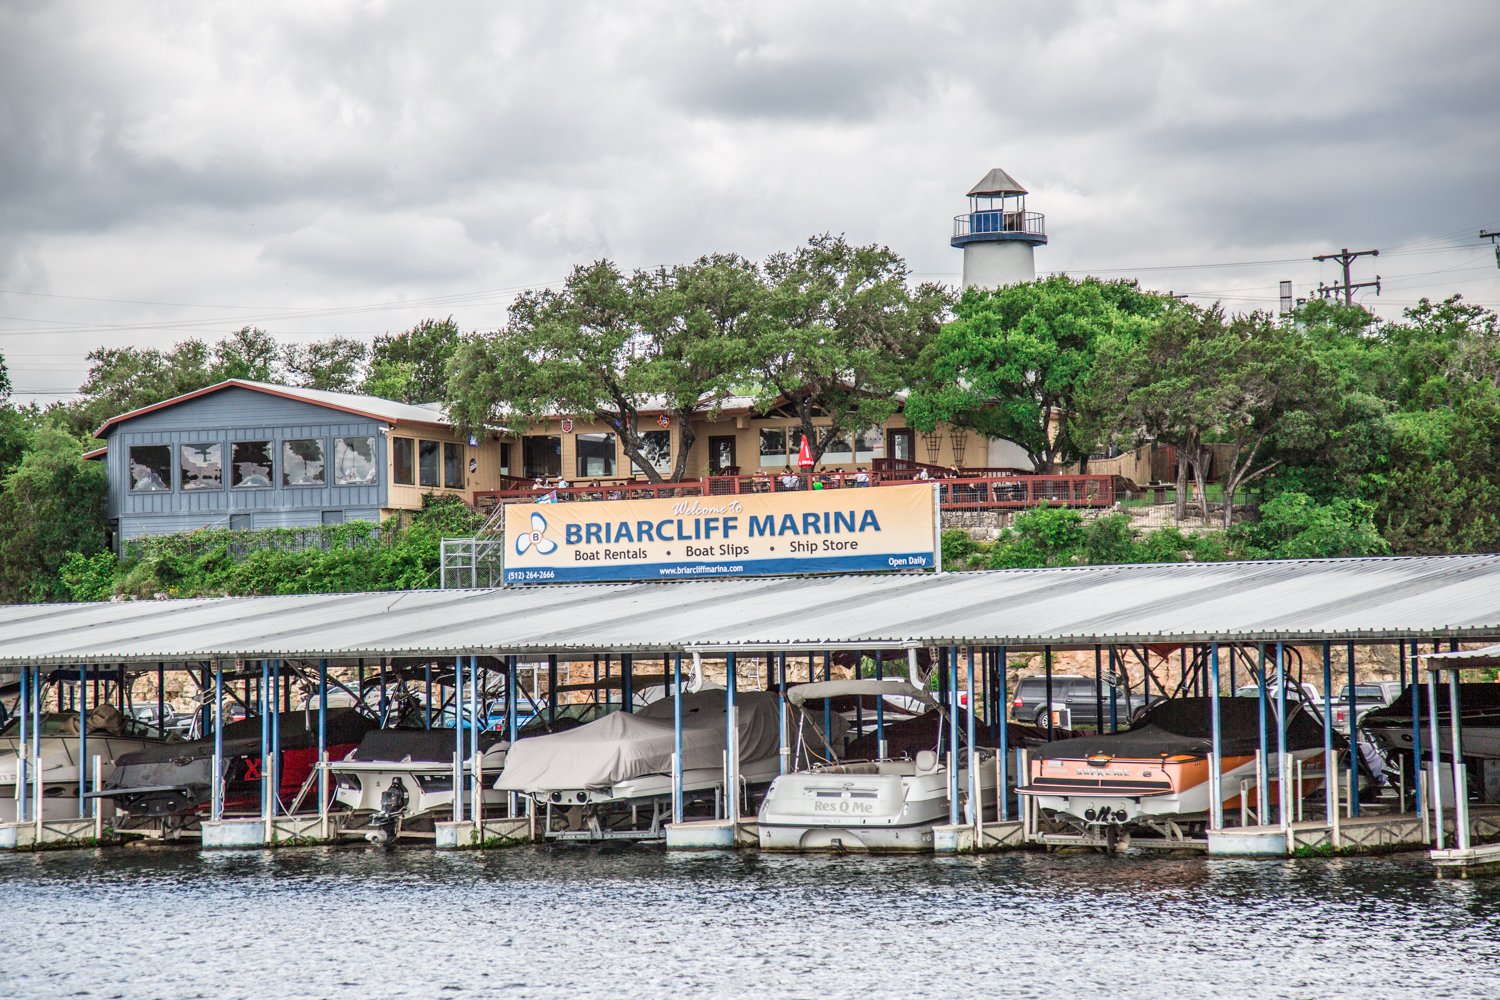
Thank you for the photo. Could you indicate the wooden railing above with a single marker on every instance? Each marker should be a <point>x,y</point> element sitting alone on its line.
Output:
<point>956,493</point>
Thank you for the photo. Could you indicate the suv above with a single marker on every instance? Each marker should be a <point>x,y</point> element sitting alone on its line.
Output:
<point>1082,698</point>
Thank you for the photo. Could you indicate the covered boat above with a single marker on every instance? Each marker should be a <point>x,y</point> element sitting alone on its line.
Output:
<point>175,780</point>
<point>1156,773</point>
<point>625,760</point>
<point>882,804</point>
<point>111,735</point>
<point>1478,713</point>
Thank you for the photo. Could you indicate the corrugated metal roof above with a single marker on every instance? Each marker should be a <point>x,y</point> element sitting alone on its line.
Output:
<point>1361,599</point>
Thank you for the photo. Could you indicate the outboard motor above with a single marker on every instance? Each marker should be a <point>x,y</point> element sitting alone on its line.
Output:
<point>393,802</point>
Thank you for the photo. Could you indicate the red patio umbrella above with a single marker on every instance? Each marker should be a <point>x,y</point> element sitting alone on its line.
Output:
<point>804,455</point>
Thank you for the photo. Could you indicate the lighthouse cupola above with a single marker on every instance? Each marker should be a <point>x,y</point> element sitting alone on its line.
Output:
<point>997,234</point>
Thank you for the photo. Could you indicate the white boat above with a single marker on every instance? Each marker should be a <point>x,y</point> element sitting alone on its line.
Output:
<point>875,806</point>
<point>111,734</point>
<point>595,781</point>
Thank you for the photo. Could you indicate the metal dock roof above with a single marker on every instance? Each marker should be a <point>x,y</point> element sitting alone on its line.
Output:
<point>1455,597</point>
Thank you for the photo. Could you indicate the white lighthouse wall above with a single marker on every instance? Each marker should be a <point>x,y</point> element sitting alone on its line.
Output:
<point>1002,262</point>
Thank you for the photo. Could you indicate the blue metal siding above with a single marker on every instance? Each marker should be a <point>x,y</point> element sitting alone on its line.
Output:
<point>225,417</point>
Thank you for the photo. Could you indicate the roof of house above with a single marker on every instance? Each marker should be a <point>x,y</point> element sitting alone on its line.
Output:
<point>995,183</point>
<point>373,407</point>
<point>1367,600</point>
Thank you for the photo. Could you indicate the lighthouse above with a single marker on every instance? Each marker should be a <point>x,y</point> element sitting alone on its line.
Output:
<point>997,234</point>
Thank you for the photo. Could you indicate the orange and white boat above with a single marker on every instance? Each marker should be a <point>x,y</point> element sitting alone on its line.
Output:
<point>1156,772</point>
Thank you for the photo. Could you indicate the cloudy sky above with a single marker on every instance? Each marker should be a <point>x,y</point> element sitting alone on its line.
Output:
<point>173,170</point>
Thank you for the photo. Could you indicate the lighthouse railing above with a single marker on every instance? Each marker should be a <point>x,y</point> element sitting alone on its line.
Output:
<point>1000,222</point>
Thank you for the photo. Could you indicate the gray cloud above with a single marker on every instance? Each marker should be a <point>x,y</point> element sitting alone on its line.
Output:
<point>297,157</point>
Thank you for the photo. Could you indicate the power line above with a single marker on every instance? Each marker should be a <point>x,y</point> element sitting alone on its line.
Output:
<point>1345,257</point>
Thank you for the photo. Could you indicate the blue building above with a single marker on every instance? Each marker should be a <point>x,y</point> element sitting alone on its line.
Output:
<point>244,454</point>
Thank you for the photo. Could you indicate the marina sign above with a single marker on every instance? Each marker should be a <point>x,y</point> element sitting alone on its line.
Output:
<point>849,530</point>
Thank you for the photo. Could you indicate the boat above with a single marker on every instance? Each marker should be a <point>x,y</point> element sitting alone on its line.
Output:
<point>397,781</point>
<point>111,734</point>
<point>886,802</point>
<point>174,781</point>
<point>1155,775</point>
<point>592,782</point>
<point>1478,715</point>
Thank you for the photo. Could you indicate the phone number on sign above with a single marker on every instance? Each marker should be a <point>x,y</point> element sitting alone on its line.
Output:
<point>532,574</point>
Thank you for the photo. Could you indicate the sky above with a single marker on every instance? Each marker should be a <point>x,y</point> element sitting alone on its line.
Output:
<point>182,169</point>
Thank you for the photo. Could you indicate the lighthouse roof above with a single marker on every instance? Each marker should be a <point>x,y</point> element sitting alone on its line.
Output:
<point>996,182</point>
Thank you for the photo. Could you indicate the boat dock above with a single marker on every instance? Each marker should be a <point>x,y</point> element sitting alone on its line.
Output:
<point>272,762</point>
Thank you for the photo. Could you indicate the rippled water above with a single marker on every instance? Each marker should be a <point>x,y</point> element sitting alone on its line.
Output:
<point>634,921</point>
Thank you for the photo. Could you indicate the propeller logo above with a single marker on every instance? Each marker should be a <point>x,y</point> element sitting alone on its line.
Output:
<point>536,538</point>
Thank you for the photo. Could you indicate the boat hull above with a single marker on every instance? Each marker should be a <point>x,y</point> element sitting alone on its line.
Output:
<point>60,771</point>
<point>876,807</point>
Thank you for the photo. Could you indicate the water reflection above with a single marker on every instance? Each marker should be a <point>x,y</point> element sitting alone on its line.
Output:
<point>620,920</point>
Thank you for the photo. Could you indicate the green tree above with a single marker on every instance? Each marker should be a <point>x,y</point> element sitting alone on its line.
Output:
<point>336,364</point>
<point>1295,526</point>
<point>51,504</point>
<point>842,332</point>
<point>1015,362</point>
<point>607,346</point>
<point>412,366</point>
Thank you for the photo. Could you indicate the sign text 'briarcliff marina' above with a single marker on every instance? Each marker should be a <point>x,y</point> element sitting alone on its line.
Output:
<point>819,531</point>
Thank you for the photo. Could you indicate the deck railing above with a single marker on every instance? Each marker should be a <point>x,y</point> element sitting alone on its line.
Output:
<point>993,220</point>
<point>992,492</point>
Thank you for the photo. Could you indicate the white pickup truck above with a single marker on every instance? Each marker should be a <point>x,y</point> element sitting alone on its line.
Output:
<point>1368,696</point>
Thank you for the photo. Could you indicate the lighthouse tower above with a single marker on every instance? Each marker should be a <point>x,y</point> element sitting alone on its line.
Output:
<point>997,234</point>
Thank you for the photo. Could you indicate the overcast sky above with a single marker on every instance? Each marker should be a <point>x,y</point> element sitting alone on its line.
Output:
<point>183,169</point>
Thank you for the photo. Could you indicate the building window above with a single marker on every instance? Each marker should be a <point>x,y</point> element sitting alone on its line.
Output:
<point>354,461</point>
<point>241,522</point>
<point>404,459</point>
<point>151,468</point>
<point>596,455</point>
<point>251,465</point>
<point>837,452</point>
<point>505,458</point>
<point>541,456</point>
<point>772,448</point>
<point>202,466</point>
<point>453,466</point>
<point>333,517</point>
<point>656,448</point>
<point>302,462</point>
<point>868,442</point>
<point>427,463</point>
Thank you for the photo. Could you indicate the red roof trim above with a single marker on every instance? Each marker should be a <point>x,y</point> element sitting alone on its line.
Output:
<point>231,383</point>
<point>96,453</point>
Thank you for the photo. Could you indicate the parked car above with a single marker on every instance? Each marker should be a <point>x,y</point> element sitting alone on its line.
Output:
<point>1082,698</point>
<point>1310,694</point>
<point>146,715</point>
<point>1367,697</point>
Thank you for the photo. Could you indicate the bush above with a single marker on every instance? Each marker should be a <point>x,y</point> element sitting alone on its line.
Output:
<point>1295,526</point>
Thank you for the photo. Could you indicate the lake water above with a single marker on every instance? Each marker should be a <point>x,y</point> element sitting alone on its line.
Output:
<point>638,922</point>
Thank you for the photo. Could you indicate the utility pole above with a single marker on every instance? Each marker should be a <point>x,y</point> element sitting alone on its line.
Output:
<point>1345,257</point>
<point>1495,239</point>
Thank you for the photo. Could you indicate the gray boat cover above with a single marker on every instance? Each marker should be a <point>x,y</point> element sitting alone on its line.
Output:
<point>622,746</point>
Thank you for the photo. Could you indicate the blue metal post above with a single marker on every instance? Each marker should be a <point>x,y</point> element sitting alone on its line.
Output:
<point>1283,785</point>
<point>474,706</point>
<point>1330,768</point>
<point>1114,691</point>
<point>458,736</point>
<point>1001,720</point>
<point>627,683</point>
<point>216,801</point>
<point>677,807</point>
<point>322,716</point>
<point>976,800</point>
<point>1098,688</point>
<point>1216,761</point>
<point>879,705</point>
<point>731,793</point>
<point>83,738</point>
<point>427,701</point>
<point>1263,792</point>
<point>551,688</point>
<point>1416,737</point>
<point>952,672</point>
<point>1353,740</point>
